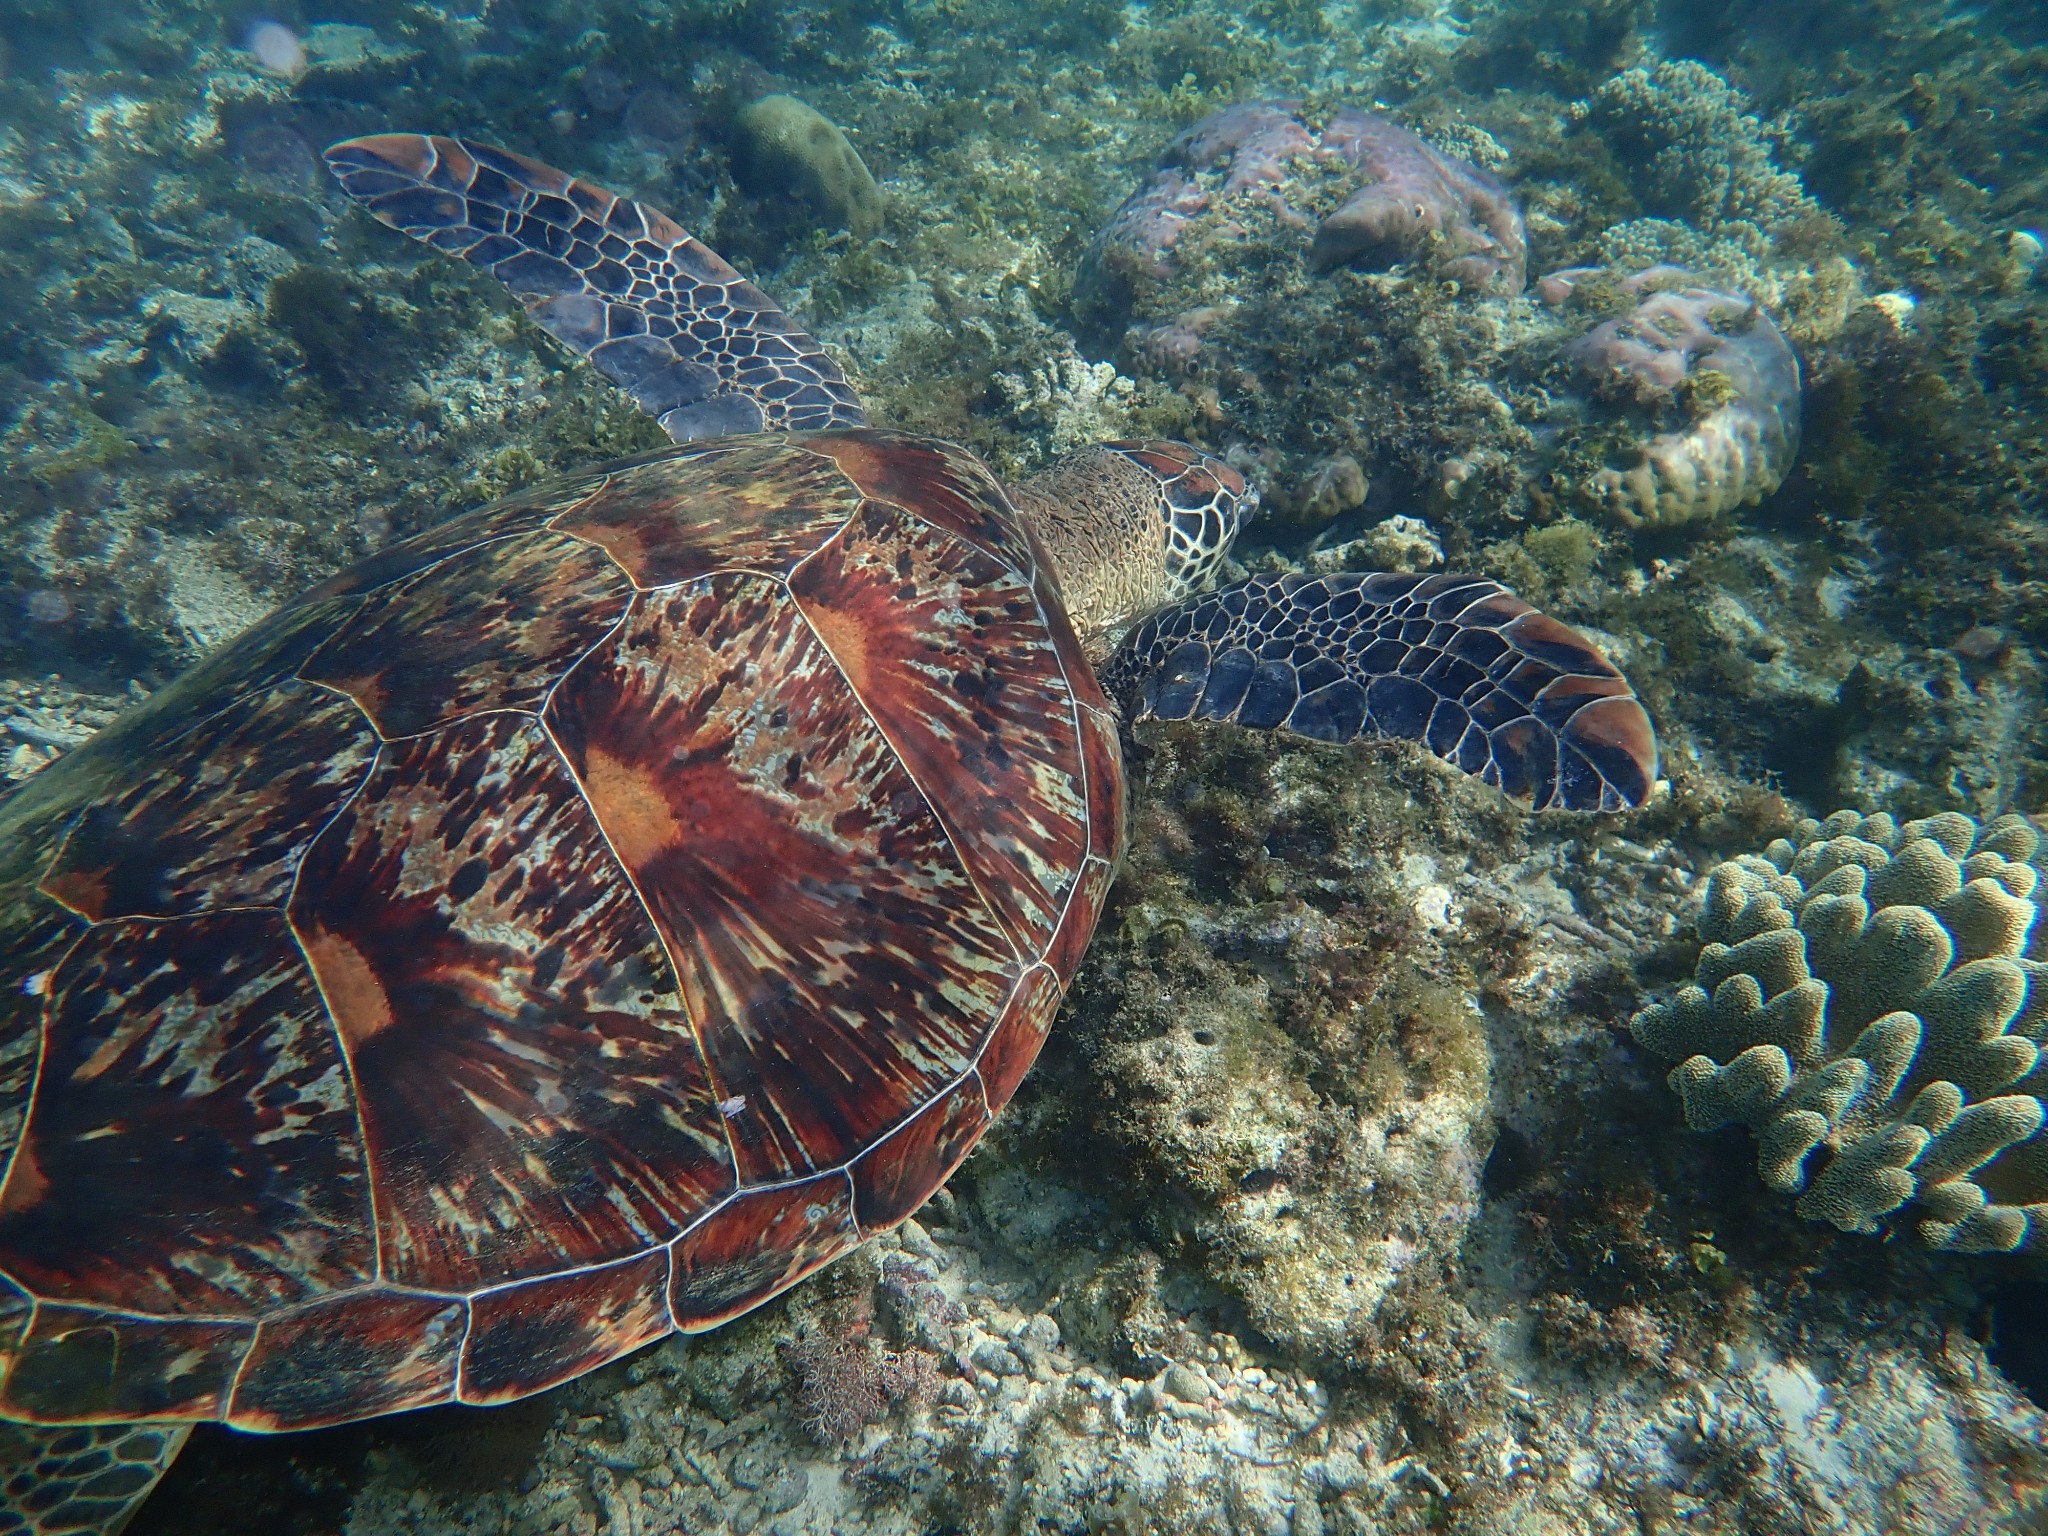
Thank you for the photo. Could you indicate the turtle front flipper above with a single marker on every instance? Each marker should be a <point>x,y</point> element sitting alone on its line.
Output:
<point>1457,663</point>
<point>81,1480</point>
<point>697,346</point>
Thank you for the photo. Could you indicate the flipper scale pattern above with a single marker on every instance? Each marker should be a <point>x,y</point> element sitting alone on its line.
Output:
<point>1456,663</point>
<point>697,346</point>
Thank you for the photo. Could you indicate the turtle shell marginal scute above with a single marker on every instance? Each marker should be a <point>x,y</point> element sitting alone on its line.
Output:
<point>577,923</point>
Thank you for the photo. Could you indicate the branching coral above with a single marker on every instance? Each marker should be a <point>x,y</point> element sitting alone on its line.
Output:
<point>1696,154</point>
<point>1866,993</point>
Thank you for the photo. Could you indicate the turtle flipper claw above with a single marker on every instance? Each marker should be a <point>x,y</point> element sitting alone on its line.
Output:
<point>697,346</point>
<point>1457,663</point>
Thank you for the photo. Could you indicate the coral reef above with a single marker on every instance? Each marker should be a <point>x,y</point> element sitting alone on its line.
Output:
<point>1376,195</point>
<point>1697,155</point>
<point>1070,401</point>
<point>1569,1319</point>
<point>791,144</point>
<point>1714,357</point>
<point>1866,989</point>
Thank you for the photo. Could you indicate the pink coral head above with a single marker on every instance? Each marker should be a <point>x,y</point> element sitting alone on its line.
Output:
<point>1664,338</point>
<point>1254,139</point>
<point>1417,202</point>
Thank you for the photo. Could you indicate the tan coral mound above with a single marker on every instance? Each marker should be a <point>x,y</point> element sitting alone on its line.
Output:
<point>1717,361</point>
<point>1865,994</point>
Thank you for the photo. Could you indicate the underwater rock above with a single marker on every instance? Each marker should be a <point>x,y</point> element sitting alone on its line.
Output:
<point>1865,990</point>
<point>1714,356</point>
<point>790,144</point>
<point>1401,201</point>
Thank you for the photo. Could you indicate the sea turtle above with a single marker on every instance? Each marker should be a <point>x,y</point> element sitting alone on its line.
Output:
<point>582,920</point>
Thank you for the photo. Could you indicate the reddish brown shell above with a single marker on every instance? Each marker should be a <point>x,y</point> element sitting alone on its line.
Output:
<point>576,923</point>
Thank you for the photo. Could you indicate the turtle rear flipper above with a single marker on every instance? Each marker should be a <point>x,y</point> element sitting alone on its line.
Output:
<point>697,346</point>
<point>1456,663</point>
<point>80,1480</point>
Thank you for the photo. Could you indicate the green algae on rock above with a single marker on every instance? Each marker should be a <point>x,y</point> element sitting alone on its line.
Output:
<point>792,143</point>
<point>1866,989</point>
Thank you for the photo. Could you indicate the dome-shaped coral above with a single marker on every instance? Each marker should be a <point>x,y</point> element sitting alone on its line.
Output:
<point>1866,994</point>
<point>1714,357</point>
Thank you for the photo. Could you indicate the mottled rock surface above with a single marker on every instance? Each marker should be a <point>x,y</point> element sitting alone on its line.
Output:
<point>1373,194</point>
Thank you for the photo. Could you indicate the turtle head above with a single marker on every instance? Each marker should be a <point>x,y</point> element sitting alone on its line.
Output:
<point>1202,503</point>
<point>1133,526</point>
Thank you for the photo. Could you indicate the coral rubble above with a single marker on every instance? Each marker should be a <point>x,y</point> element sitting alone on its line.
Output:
<point>1866,991</point>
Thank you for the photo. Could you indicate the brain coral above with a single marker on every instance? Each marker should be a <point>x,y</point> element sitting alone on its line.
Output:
<point>1716,359</point>
<point>1866,995</point>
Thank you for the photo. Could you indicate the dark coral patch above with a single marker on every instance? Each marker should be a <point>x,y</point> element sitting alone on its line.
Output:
<point>758,1245</point>
<point>894,1178</point>
<point>79,1364</point>
<point>192,1145</point>
<point>220,816</point>
<point>762,505</point>
<point>952,655</point>
<point>358,1355</point>
<point>526,1338</point>
<point>836,960</point>
<point>493,627</point>
<point>532,1094</point>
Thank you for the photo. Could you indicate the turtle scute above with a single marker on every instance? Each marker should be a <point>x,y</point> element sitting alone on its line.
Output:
<point>578,922</point>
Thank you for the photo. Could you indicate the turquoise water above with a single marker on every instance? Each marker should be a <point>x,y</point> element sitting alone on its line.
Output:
<point>1354,1189</point>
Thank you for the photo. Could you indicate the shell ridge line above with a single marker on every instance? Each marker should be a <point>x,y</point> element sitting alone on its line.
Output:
<point>481,714</point>
<point>1075,706</point>
<point>668,1285</point>
<point>604,484</point>
<point>234,1386</point>
<point>35,1307</point>
<point>56,853</point>
<point>896,751</point>
<point>540,711</point>
<point>975,1066</point>
<point>853,1204</point>
<point>235,702</point>
<point>880,1136</point>
<point>135,1315</point>
<point>392,589</point>
<point>348,1065</point>
<point>675,971</point>
<point>461,1351</point>
<point>35,1088</point>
